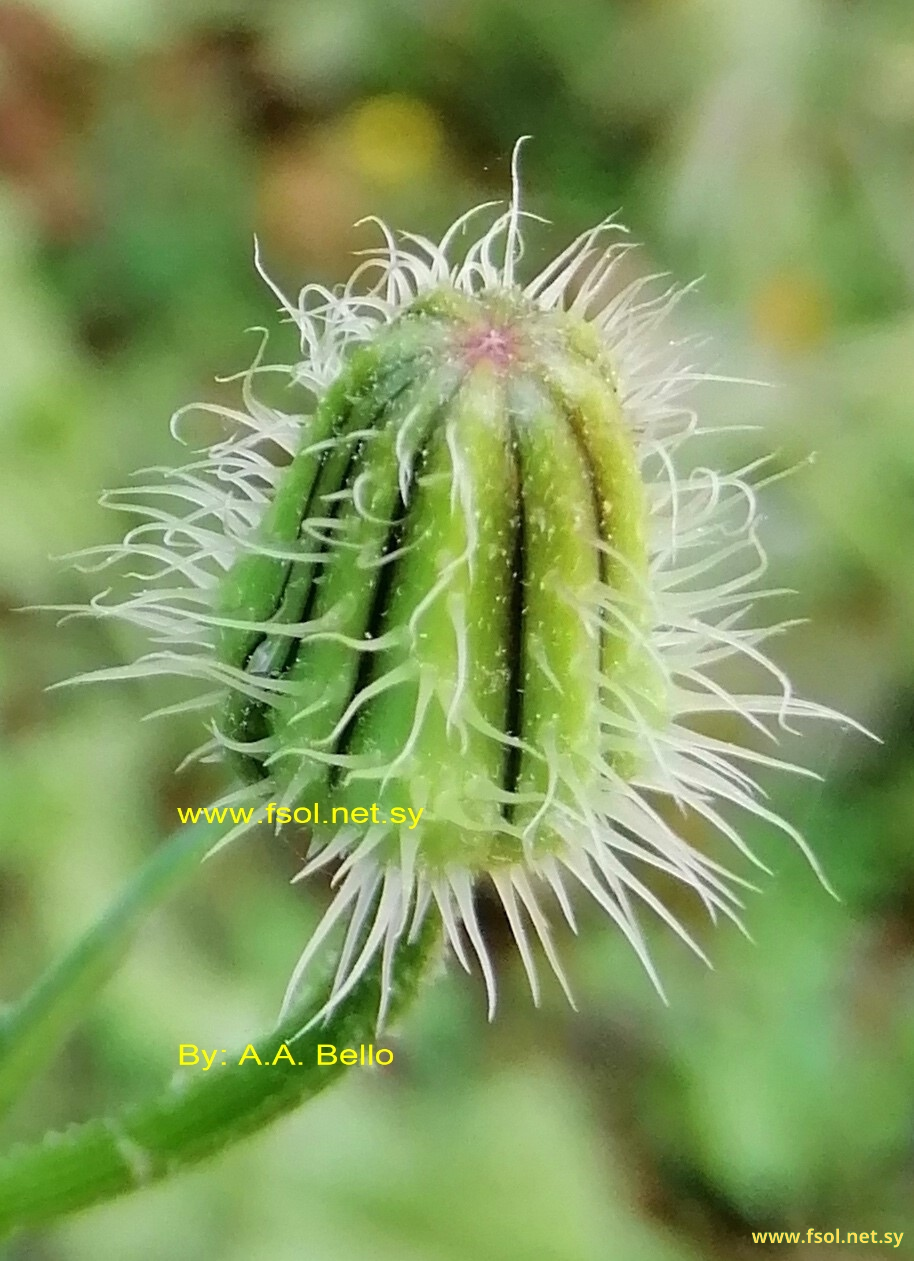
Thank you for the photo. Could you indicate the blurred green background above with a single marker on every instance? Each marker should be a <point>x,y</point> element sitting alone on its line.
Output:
<point>767,145</point>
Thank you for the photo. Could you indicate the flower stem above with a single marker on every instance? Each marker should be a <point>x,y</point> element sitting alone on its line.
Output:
<point>32,1029</point>
<point>197,1114</point>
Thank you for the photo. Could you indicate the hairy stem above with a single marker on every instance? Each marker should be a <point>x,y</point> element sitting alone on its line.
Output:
<point>197,1114</point>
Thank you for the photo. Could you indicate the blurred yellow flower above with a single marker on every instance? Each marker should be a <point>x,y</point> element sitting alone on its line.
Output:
<point>392,139</point>
<point>791,312</point>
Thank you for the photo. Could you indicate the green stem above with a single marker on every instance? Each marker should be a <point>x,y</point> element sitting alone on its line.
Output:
<point>198,1114</point>
<point>32,1029</point>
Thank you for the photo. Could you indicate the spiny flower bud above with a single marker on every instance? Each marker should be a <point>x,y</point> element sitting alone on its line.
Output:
<point>469,582</point>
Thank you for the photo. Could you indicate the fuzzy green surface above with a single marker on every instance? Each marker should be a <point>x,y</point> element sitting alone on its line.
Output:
<point>464,494</point>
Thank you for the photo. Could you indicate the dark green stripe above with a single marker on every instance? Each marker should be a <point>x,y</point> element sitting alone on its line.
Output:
<point>515,656</point>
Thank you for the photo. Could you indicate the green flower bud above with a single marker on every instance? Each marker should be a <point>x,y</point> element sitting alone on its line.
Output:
<point>465,610</point>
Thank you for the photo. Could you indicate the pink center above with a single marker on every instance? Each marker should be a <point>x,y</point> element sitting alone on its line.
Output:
<point>489,341</point>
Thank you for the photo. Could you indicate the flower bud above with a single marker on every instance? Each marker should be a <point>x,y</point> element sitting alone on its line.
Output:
<point>468,600</point>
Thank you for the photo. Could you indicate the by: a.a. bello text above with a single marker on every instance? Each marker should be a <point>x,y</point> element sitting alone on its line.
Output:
<point>325,1054</point>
